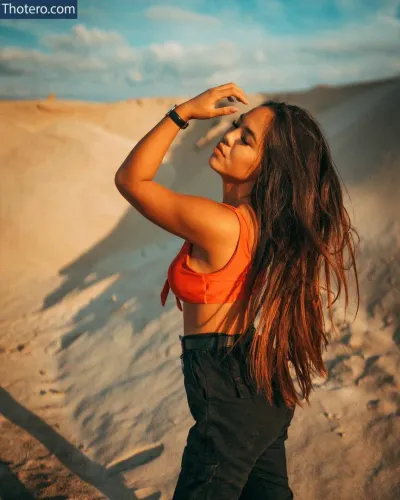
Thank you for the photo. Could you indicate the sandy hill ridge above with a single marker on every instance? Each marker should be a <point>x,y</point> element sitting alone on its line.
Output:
<point>89,358</point>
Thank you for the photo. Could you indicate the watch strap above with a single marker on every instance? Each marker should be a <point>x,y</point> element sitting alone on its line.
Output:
<point>176,118</point>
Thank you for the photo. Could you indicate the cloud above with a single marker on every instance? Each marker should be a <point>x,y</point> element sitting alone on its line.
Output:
<point>126,54</point>
<point>81,38</point>
<point>14,60</point>
<point>377,37</point>
<point>7,69</point>
<point>187,64</point>
<point>81,51</point>
<point>258,60</point>
<point>133,77</point>
<point>176,14</point>
<point>17,54</point>
<point>167,52</point>
<point>36,28</point>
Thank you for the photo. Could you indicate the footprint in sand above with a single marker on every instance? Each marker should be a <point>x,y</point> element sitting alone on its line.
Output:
<point>51,391</point>
<point>334,420</point>
<point>346,369</point>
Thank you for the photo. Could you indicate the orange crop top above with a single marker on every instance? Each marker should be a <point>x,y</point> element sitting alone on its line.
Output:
<point>219,287</point>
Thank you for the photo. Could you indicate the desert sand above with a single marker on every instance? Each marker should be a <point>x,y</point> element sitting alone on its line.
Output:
<point>92,402</point>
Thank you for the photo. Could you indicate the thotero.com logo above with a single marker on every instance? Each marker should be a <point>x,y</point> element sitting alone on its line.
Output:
<point>39,9</point>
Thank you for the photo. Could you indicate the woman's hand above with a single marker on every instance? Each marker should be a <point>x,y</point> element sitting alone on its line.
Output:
<point>203,107</point>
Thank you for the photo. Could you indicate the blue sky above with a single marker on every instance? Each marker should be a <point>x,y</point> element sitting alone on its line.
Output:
<point>143,48</point>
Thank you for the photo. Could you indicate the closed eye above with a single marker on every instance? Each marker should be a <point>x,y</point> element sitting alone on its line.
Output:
<point>235,123</point>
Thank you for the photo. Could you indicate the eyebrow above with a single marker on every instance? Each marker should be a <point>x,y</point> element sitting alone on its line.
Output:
<point>248,129</point>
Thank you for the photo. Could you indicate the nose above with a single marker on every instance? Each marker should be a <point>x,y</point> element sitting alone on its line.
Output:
<point>225,140</point>
<point>228,137</point>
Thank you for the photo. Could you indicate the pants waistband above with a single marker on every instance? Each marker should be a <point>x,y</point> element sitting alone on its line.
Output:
<point>211,341</point>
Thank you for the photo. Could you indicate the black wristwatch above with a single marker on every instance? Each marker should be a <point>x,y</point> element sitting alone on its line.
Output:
<point>176,118</point>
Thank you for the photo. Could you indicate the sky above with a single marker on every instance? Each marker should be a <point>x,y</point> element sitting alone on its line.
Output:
<point>121,49</point>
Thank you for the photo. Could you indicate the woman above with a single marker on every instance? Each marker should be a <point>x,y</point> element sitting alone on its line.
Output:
<point>256,255</point>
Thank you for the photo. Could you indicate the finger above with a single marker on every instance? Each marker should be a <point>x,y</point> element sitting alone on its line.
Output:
<point>225,85</point>
<point>230,85</point>
<point>233,91</point>
<point>226,110</point>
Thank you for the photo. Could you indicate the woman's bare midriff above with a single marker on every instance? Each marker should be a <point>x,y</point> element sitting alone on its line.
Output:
<point>229,318</point>
<point>210,318</point>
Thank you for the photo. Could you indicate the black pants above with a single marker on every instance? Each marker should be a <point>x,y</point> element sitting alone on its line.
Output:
<point>236,448</point>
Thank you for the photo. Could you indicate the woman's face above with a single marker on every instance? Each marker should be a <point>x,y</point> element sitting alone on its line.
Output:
<point>242,146</point>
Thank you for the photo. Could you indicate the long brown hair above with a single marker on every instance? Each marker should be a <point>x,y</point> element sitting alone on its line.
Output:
<point>304,227</point>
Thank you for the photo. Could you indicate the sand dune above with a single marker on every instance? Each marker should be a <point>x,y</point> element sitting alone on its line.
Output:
<point>89,358</point>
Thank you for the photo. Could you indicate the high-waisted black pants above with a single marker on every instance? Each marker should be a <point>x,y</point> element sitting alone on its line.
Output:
<point>236,448</point>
